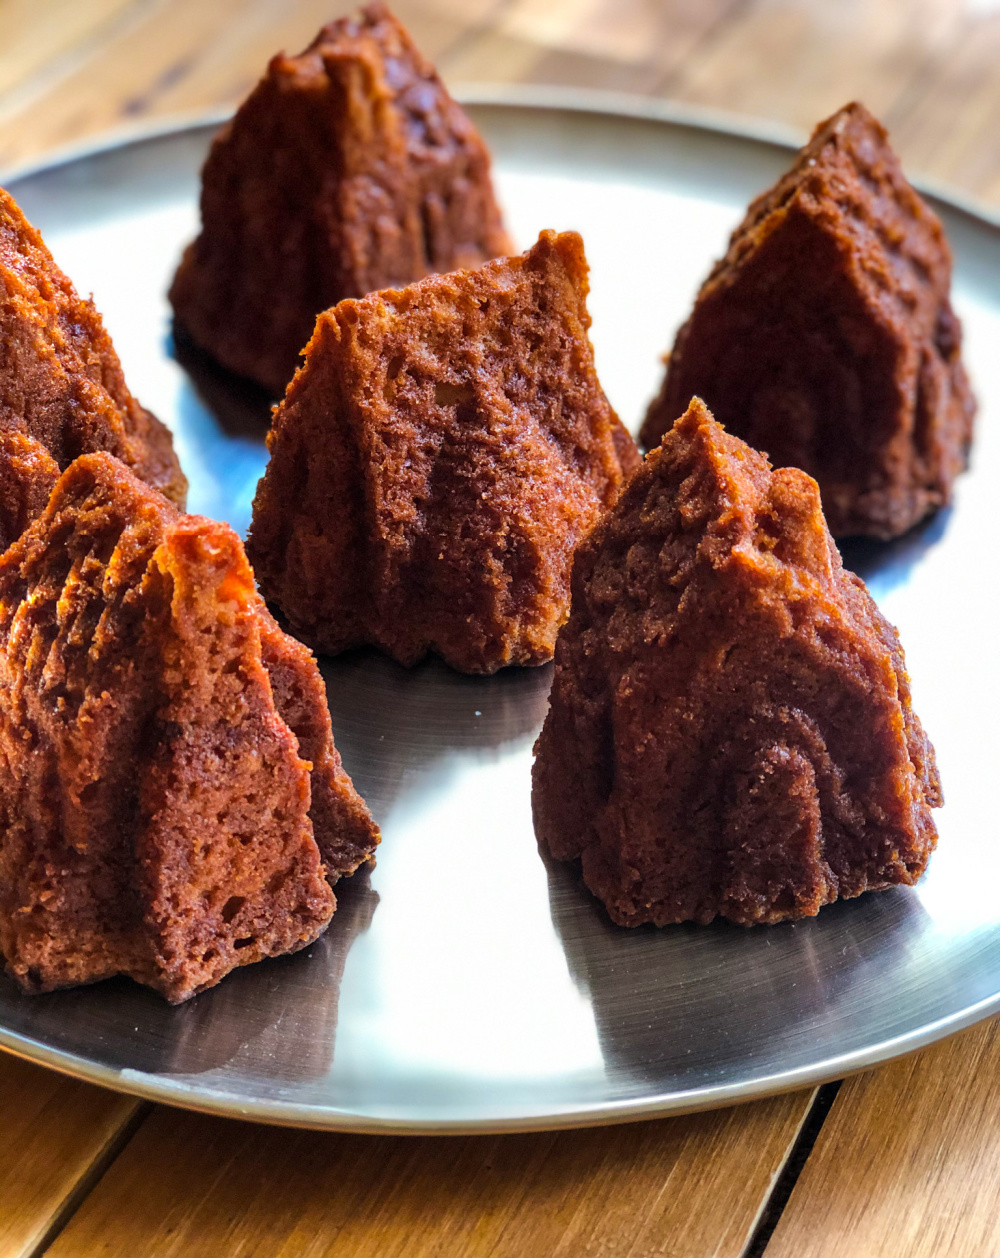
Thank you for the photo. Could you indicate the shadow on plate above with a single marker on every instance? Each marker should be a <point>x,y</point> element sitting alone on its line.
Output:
<point>885,565</point>
<point>283,1011</point>
<point>220,432</point>
<point>242,407</point>
<point>663,998</point>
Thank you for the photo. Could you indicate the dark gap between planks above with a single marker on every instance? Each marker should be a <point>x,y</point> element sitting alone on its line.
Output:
<point>89,1180</point>
<point>790,1172</point>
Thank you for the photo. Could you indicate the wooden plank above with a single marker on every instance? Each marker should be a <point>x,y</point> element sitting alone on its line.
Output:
<point>907,1164</point>
<point>57,1136</point>
<point>177,56</point>
<point>927,66</point>
<point>616,45</point>
<point>947,121</point>
<point>796,61</point>
<point>37,51</point>
<point>189,1185</point>
<point>628,31</point>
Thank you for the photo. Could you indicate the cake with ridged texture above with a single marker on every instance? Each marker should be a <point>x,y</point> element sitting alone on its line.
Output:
<point>170,796</point>
<point>435,462</point>
<point>28,474</point>
<point>62,391</point>
<point>730,730</point>
<point>826,336</point>
<point>348,169</point>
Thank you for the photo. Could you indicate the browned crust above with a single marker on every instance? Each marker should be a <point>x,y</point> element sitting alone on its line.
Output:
<point>435,462</point>
<point>156,805</point>
<point>61,384</point>
<point>730,730</point>
<point>825,336</point>
<point>348,169</point>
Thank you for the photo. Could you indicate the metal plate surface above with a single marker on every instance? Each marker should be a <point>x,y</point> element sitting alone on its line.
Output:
<point>466,984</point>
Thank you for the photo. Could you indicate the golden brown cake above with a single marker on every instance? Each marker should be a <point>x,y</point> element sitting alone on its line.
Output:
<point>28,474</point>
<point>61,384</point>
<point>730,730</point>
<point>342,824</point>
<point>348,169</point>
<point>156,813</point>
<point>825,336</point>
<point>435,462</point>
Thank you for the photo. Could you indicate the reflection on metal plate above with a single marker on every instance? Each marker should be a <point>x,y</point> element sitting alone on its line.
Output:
<point>466,984</point>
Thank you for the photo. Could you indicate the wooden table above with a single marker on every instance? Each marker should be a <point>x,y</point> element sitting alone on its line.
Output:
<point>904,1160</point>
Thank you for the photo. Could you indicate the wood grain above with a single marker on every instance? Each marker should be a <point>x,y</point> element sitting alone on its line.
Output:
<point>948,119</point>
<point>907,1164</point>
<point>32,52</point>
<point>800,60</point>
<point>909,1159</point>
<point>163,57</point>
<point>926,66</point>
<point>57,1135</point>
<point>615,45</point>
<point>190,1186</point>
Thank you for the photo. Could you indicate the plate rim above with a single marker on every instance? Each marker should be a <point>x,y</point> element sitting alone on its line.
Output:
<point>600,101</point>
<point>155,1088</point>
<point>600,1114</point>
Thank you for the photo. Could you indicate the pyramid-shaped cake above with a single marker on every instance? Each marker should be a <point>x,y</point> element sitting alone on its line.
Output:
<point>435,462</point>
<point>157,731</point>
<point>62,391</point>
<point>826,338</point>
<point>348,169</point>
<point>730,730</point>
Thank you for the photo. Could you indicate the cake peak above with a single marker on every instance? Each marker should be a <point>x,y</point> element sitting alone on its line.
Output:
<point>730,730</point>
<point>825,335</point>
<point>435,461</point>
<point>347,170</point>
<point>173,804</point>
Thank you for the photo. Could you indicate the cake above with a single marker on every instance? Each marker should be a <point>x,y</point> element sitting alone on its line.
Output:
<point>435,462</point>
<point>157,732</point>
<point>28,474</point>
<point>826,338</point>
<point>730,730</point>
<point>62,392</point>
<point>348,169</point>
<point>289,1014</point>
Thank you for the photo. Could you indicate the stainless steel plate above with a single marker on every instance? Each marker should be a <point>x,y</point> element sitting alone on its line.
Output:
<point>467,985</point>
